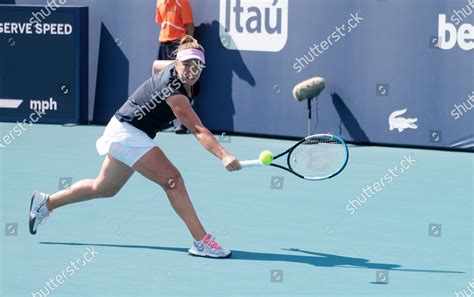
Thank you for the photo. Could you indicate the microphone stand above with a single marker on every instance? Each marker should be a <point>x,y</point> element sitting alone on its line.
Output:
<point>309,116</point>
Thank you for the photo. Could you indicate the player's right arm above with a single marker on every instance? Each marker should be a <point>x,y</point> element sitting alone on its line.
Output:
<point>185,113</point>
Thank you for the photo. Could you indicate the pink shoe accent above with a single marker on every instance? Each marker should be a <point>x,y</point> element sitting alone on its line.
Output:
<point>209,241</point>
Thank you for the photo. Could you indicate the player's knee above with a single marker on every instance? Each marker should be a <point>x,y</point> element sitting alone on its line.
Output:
<point>109,192</point>
<point>172,179</point>
<point>103,191</point>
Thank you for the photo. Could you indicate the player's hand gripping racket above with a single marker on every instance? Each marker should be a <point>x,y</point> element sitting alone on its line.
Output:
<point>315,157</point>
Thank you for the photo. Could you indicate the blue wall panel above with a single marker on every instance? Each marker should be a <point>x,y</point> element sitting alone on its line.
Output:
<point>250,91</point>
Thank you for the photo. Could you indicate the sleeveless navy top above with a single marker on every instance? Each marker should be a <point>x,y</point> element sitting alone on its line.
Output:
<point>146,108</point>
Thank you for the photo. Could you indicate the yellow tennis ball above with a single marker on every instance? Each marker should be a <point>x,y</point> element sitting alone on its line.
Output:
<point>266,158</point>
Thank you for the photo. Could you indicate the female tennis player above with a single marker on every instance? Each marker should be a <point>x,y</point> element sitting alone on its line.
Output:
<point>128,146</point>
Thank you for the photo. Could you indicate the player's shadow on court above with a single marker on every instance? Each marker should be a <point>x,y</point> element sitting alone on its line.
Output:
<point>112,77</point>
<point>308,257</point>
<point>348,120</point>
<point>215,104</point>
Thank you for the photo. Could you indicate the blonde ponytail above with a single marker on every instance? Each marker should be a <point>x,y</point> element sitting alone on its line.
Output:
<point>188,42</point>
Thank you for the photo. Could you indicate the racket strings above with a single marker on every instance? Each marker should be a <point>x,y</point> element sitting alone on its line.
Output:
<point>317,157</point>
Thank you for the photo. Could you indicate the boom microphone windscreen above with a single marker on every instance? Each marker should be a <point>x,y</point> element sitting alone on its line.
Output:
<point>309,88</point>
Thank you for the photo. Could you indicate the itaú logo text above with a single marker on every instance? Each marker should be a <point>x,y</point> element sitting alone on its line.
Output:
<point>254,25</point>
<point>449,35</point>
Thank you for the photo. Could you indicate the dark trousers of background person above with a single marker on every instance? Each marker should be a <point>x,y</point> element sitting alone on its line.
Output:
<point>167,49</point>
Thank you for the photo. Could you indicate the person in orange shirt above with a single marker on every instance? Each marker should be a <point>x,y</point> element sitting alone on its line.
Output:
<point>176,20</point>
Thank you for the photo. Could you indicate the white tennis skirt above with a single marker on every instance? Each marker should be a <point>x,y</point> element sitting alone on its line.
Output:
<point>124,142</point>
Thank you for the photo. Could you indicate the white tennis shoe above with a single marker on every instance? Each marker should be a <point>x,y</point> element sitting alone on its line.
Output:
<point>209,248</point>
<point>38,210</point>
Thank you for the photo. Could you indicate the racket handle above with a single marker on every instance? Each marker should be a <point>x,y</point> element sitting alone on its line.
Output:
<point>251,163</point>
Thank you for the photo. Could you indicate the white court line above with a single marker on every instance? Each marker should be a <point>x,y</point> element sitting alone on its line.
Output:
<point>10,103</point>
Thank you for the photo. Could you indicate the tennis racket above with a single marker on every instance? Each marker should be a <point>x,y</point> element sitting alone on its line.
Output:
<point>315,157</point>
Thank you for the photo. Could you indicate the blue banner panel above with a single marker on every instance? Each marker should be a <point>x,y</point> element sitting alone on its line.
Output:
<point>397,72</point>
<point>43,64</point>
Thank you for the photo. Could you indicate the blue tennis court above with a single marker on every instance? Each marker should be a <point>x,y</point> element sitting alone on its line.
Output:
<point>409,235</point>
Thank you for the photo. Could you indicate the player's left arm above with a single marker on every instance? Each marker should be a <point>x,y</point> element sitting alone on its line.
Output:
<point>159,65</point>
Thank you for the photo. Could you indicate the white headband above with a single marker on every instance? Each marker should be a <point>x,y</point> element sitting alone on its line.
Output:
<point>189,54</point>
